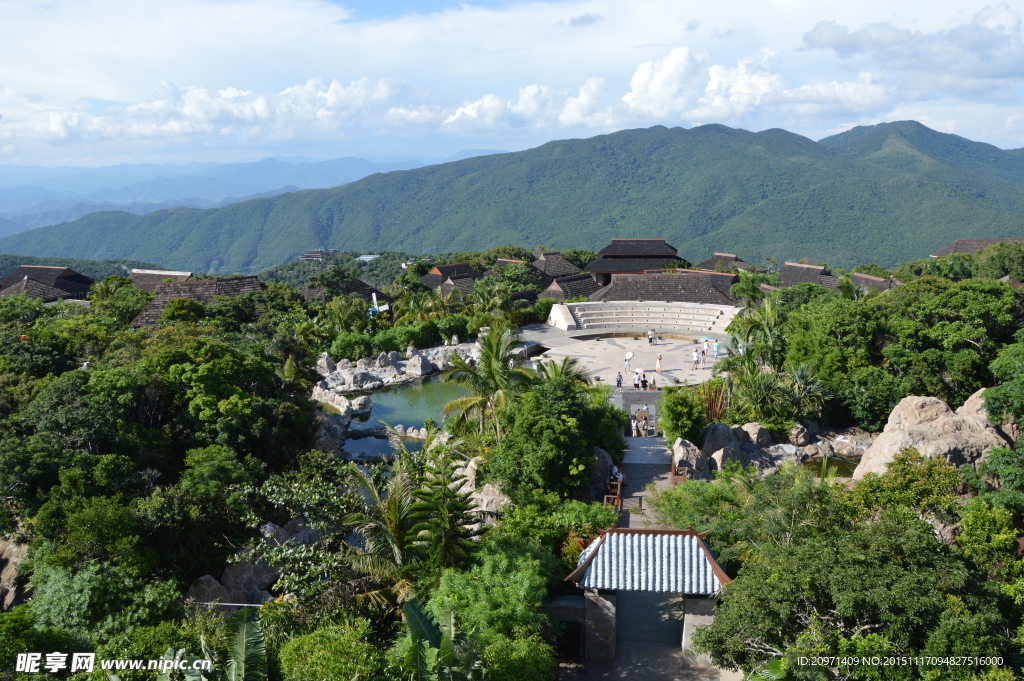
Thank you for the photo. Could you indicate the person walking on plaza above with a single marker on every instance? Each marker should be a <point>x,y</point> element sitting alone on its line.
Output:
<point>632,427</point>
<point>650,336</point>
<point>707,346</point>
<point>636,381</point>
<point>703,359</point>
<point>654,385</point>
<point>627,365</point>
<point>657,364</point>
<point>716,346</point>
<point>618,381</point>
<point>643,382</point>
<point>696,359</point>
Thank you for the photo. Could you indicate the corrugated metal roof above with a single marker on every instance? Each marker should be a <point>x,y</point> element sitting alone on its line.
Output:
<point>675,562</point>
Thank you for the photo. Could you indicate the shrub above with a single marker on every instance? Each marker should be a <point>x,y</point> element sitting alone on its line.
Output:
<point>523,659</point>
<point>332,654</point>
<point>457,324</point>
<point>351,345</point>
<point>183,310</point>
<point>682,414</point>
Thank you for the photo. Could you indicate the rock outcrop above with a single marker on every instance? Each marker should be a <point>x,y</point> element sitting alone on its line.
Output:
<point>11,585</point>
<point>930,426</point>
<point>687,455</point>
<point>715,437</point>
<point>599,476</point>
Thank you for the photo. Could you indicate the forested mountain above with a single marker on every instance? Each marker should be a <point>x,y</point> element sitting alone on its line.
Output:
<point>885,193</point>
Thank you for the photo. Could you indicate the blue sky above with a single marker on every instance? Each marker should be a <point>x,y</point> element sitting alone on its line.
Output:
<point>107,81</point>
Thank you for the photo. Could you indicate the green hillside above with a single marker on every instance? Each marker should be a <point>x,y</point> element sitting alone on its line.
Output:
<point>886,193</point>
<point>91,268</point>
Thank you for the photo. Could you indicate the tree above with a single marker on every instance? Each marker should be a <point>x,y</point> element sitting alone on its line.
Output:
<point>682,414</point>
<point>183,310</point>
<point>495,378</point>
<point>747,291</point>
<point>569,368</point>
<point>332,653</point>
<point>521,276</point>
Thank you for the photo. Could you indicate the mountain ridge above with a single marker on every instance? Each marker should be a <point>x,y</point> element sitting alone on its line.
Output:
<point>882,193</point>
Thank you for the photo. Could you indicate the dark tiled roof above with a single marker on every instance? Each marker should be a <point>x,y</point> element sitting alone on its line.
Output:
<point>146,280</point>
<point>726,262</point>
<point>463,284</point>
<point>971,246</point>
<point>440,273</point>
<point>203,291</point>
<point>575,286</point>
<point>555,265</point>
<point>527,296</point>
<point>63,278</point>
<point>793,273</point>
<point>34,289</point>
<point>638,247</point>
<point>350,288</point>
<point>1006,280</point>
<point>691,287</point>
<point>868,281</point>
<point>637,265</point>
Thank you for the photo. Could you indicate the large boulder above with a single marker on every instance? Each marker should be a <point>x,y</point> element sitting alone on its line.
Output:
<point>715,437</point>
<point>489,499</point>
<point>324,364</point>
<point>687,455</point>
<point>418,365</point>
<point>799,436</point>
<point>11,584</point>
<point>206,589</point>
<point>757,434</point>
<point>599,476</point>
<point>974,407</point>
<point>383,360</point>
<point>329,397</point>
<point>361,379</point>
<point>722,456</point>
<point>361,406</point>
<point>930,426</point>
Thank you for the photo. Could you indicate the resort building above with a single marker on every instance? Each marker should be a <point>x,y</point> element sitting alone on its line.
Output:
<point>146,280</point>
<point>46,283</point>
<point>727,262</point>
<point>440,274</point>
<point>968,246</point>
<point>203,291</point>
<point>630,256</point>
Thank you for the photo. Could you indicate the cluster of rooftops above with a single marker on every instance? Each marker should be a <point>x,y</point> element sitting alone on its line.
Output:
<point>625,270</point>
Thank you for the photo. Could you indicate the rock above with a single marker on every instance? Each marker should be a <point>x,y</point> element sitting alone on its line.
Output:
<point>245,576</point>
<point>361,379</point>
<point>784,452</point>
<point>812,453</point>
<point>206,589</point>
<point>418,366</point>
<point>324,364</point>
<point>799,436</point>
<point>974,407</point>
<point>741,435</point>
<point>86,366</point>
<point>469,471</point>
<point>361,406</point>
<point>930,426</point>
<point>329,397</point>
<point>455,339</point>
<point>11,585</point>
<point>394,358</point>
<point>599,476</point>
<point>813,429</point>
<point>364,363</point>
<point>757,434</point>
<point>344,364</point>
<point>400,430</point>
<point>724,455</point>
<point>383,360</point>
<point>687,455</point>
<point>489,499</point>
<point>411,352</point>
<point>715,437</point>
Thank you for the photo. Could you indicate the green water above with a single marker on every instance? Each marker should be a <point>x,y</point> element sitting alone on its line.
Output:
<point>413,403</point>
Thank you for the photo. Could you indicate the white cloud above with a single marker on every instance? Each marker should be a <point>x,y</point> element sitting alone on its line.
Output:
<point>665,87</point>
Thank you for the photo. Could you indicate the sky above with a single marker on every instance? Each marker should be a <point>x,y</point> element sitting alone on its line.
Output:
<point>95,82</point>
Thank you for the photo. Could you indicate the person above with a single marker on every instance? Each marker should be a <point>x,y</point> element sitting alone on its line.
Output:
<point>627,364</point>
<point>616,474</point>
<point>618,381</point>
<point>636,381</point>
<point>654,336</point>
<point>703,358</point>
<point>650,336</point>
<point>716,346</point>
<point>643,381</point>
<point>696,359</point>
<point>657,365</point>
<point>707,346</point>
<point>632,427</point>
<point>654,385</point>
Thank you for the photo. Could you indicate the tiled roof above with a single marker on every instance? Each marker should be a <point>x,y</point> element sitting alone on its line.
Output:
<point>526,296</point>
<point>555,265</point>
<point>727,262</point>
<point>870,282</point>
<point>575,286</point>
<point>1011,281</point>
<point>63,278</point>
<point>638,247</point>
<point>440,273</point>
<point>685,286</point>
<point>971,246</point>
<point>146,280</point>
<point>34,289</point>
<point>463,284</point>
<point>203,291</point>
<point>672,561</point>
<point>793,273</point>
<point>619,265</point>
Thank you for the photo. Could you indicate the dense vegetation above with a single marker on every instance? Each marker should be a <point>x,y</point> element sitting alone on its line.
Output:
<point>882,194</point>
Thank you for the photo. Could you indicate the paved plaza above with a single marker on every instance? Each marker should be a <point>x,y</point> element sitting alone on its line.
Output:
<point>602,358</point>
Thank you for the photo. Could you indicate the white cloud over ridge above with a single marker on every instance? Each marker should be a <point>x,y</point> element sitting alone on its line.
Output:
<point>511,77</point>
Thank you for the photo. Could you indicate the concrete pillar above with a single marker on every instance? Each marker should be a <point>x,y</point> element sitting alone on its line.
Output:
<point>599,626</point>
<point>696,612</point>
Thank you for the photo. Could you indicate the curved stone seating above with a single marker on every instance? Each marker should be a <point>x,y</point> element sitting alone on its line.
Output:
<point>638,317</point>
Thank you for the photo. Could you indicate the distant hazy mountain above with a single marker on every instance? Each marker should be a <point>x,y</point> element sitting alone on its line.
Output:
<point>886,194</point>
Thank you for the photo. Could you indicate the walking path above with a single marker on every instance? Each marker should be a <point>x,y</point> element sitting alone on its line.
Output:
<point>647,461</point>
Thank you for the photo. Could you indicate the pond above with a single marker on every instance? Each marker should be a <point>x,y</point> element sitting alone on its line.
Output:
<point>410,405</point>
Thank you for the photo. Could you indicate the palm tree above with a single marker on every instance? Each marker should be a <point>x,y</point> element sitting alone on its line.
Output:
<point>569,368</point>
<point>763,331</point>
<point>762,396</point>
<point>808,394</point>
<point>747,291</point>
<point>413,307</point>
<point>492,381</point>
<point>386,528</point>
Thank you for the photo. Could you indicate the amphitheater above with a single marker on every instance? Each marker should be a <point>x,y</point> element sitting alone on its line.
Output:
<point>611,318</point>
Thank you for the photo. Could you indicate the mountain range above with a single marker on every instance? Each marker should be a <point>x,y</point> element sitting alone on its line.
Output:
<point>36,196</point>
<point>886,193</point>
